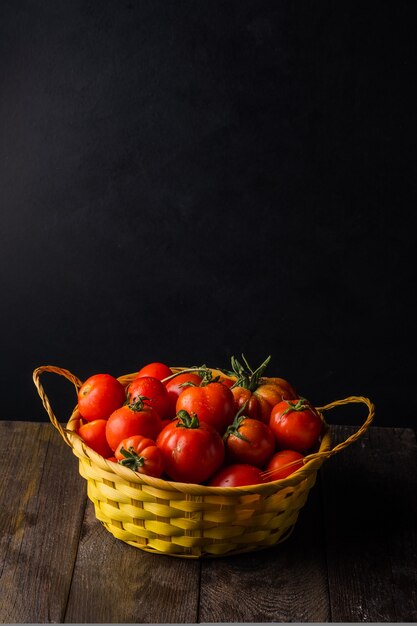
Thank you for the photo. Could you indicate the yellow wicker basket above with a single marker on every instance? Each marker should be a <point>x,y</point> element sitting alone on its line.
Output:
<point>190,520</point>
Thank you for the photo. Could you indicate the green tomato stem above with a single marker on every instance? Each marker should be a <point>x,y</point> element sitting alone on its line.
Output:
<point>132,459</point>
<point>185,420</point>
<point>300,405</point>
<point>233,429</point>
<point>200,371</point>
<point>248,378</point>
<point>137,403</point>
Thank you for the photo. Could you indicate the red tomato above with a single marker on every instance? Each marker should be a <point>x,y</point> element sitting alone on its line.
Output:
<point>296,425</point>
<point>259,393</point>
<point>156,370</point>
<point>132,419</point>
<point>94,435</point>
<point>213,403</point>
<point>99,396</point>
<point>140,454</point>
<point>260,401</point>
<point>174,388</point>
<point>237,475</point>
<point>229,382</point>
<point>192,450</point>
<point>249,441</point>
<point>276,468</point>
<point>154,391</point>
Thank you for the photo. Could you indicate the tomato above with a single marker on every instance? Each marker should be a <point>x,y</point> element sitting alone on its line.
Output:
<point>156,370</point>
<point>132,419</point>
<point>154,391</point>
<point>213,403</point>
<point>141,454</point>
<point>237,475</point>
<point>259,394</point>
<point>229,382</point>
<point>174,388</point>
<point>99,396</point>
<point>276,468</point>
<point>192,450</point>
<point>296,425</point>
<point>94,435</point>
<point>249,441</point>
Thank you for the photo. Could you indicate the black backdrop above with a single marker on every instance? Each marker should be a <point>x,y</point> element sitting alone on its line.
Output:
<point>184,180</point>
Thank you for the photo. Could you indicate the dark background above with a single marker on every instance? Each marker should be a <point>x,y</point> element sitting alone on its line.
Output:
<point>181,181</point>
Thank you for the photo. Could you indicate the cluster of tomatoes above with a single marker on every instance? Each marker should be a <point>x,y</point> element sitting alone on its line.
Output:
<point>221,428</point>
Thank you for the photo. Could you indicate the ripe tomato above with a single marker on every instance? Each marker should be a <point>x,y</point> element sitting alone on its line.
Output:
<point>192,450</point>
<point>132,419</point>
<point>259,394</point>
<point>94,435</point>
<point>276,467</point>
<point>99,396</point>
<point>154,391</point>
<point>140,454</point>
<point>296,425</point>
<point>249,441</point>
<point>174,388</point>
<point>237,475</point>
<point>213,403</point>
<point>156,370</point>
<point>229,382</point>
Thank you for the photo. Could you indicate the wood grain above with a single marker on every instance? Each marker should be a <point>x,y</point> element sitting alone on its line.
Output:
<point>284,584</point>
<point>43,502</point>
<point>351,558</point>
<point>115,582</point>
<point>370,498</point>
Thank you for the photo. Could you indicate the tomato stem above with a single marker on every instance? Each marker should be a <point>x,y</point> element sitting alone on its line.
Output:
<point>137,403</point>
<point>185,420</point>
<point>132,458</point>
<point>248,378</point>
<point>249,367</point>
<point>203,371</point>
<point>300,405</point>
<point>233,429</point>
<point>208,378</point>
<point>200,371</point>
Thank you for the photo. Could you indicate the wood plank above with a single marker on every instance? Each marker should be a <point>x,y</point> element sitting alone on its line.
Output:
<point>370,499</point>
<point>283,584</point>
<point>42,501</point>
<point>115,582</point>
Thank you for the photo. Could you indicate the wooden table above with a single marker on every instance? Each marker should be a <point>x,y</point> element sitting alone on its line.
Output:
<point>351,558</point>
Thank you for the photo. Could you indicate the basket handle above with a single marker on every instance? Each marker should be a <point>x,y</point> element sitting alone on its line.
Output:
<point>341,446</point>
<point>45,401</point>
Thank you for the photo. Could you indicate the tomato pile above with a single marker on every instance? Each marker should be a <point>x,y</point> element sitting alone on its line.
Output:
<point>224,428</point>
